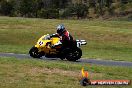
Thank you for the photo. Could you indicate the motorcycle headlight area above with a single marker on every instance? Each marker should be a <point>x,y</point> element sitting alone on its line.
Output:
<point>46,37</point>
<point>41,43</point>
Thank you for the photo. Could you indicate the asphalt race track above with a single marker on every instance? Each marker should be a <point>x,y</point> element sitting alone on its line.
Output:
<point>90,61</point>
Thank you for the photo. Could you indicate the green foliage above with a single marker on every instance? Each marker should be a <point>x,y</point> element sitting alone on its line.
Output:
<point>79,10</point>
<point>6,7</point>
<point>48,13</point>
<point>27,8</point>
<point>63,8</point>
<point>68,12</point>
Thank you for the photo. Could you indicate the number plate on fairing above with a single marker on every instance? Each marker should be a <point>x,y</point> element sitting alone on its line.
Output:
<point>81,42</point>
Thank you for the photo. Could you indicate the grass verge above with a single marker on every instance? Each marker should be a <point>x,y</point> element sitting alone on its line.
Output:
<point>110,40</point>
<point>32,73</point>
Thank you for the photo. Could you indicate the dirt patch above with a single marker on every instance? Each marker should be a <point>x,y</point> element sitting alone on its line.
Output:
<point>35,71</point>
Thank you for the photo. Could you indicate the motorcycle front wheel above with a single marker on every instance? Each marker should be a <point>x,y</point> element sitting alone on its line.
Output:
<point>34,52</point>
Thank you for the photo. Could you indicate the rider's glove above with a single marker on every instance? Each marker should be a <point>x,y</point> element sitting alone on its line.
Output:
<point>57,44</point>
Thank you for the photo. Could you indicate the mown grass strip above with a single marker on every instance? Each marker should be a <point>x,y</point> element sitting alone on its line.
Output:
<point>110,40</point>
<point>32,73</point>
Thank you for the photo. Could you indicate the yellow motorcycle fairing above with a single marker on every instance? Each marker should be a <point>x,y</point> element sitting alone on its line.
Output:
<point>44,44</point>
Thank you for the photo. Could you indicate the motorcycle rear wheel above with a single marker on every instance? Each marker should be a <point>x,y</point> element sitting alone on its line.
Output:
<point>74,55</point>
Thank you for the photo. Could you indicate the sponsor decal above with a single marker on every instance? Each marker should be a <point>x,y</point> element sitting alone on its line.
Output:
<point>85,81</point>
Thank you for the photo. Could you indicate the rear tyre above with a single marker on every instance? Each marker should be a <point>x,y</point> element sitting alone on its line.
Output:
<point>62,55</point>
<point>34,52</point>
<point>74,55</point>
<point>62,58</point>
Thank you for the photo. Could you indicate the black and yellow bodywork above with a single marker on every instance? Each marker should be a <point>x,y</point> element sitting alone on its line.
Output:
<point>43,48</point>
<point>44,44</point>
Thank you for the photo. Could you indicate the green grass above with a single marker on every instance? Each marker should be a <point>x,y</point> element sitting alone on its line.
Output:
<point>32,73</point>
<point>110,40</point>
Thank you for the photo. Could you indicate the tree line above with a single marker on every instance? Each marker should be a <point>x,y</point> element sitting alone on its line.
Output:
<point>60,8</point>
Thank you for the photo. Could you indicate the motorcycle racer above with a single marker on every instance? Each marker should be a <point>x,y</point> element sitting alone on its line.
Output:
<point>64,35</point>
<point>59,45</point>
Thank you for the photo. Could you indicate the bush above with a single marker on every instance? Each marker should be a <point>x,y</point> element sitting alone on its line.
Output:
<point>68,12</point>
<point>48,13</point>
<point>27,8</point>
<point>6,7</point>
<point>80,10</point>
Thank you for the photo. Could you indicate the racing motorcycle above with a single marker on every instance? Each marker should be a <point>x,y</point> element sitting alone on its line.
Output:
<point>43,48</point>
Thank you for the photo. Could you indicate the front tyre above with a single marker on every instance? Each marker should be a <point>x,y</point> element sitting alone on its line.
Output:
<point>74,55</point>
<point>34,52</point>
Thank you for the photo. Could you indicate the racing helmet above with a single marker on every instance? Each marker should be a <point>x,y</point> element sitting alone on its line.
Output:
<point>60,29</point>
